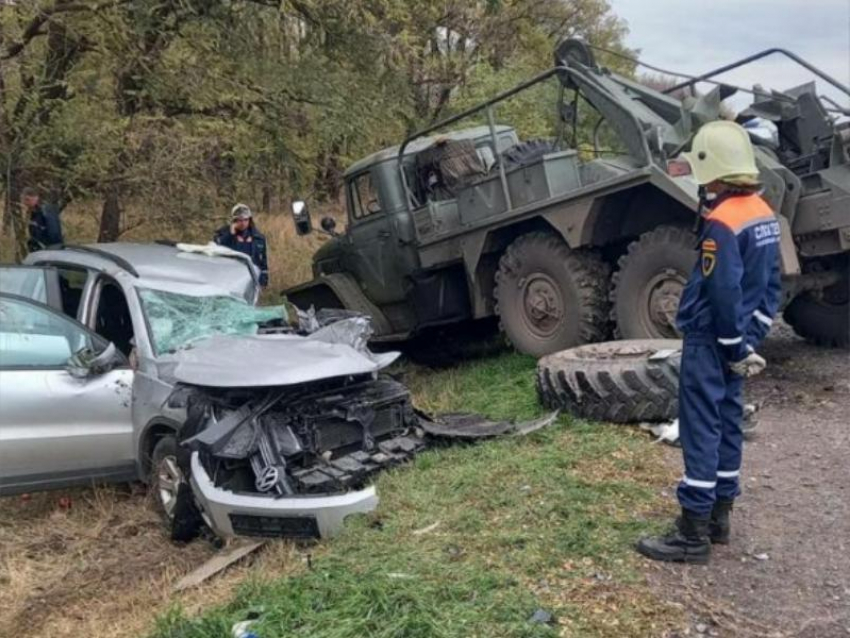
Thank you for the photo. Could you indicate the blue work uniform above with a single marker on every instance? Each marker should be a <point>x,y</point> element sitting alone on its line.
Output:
<point>251,242</point>
<point>727,308</point>
<point>45,228</point>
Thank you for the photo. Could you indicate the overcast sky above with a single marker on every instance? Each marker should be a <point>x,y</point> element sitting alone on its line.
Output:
<point>699,35</point>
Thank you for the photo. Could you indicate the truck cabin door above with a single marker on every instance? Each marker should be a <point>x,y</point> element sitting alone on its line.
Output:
<point>373,250</point>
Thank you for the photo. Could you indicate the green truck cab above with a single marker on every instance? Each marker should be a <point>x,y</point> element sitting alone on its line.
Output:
<point>566,242</point>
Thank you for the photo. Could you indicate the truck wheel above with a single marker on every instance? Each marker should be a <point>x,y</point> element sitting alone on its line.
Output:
<point>613,381</point>
<point>649,281</point>
<point>549,297</point>
<point>822,319</point>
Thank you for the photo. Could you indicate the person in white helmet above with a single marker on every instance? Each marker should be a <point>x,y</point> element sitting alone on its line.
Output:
<point>244,236</point>
<point>726,310</point>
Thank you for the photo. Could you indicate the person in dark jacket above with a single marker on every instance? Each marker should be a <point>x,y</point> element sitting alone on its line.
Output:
<point>45,228</point>
<point>726,310</point>
<point>243,236</point>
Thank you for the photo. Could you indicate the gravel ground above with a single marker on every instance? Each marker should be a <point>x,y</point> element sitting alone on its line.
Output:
<point>787,571</point>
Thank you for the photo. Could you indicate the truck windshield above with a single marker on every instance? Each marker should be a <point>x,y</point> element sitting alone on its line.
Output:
<point>176,321</point>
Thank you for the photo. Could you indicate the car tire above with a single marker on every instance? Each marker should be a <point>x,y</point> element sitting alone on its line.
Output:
<point>648,283</point>
<point>614,381</point>
<point>179,511</point>
<point>165,476</point>
<point>549,297</point>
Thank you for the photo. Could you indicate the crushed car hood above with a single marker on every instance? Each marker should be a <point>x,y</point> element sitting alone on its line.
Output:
<point>272,360</point>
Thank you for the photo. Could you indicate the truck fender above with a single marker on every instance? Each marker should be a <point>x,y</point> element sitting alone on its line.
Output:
<point>343,290</point>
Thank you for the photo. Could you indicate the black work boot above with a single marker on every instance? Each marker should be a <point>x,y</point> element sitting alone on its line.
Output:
<point>720,526</point>
<point>687,543</point>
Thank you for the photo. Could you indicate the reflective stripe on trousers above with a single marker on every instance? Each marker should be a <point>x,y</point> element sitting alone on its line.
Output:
<point>710,415</point>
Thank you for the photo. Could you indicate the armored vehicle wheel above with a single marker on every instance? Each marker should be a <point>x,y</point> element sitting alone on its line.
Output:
<point>823,319</point>
<point>648,284</point>
<point>549,297</point>
<point>614,381</point>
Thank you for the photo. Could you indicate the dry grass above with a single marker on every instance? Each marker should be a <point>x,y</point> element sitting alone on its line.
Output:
<point>95,562</point>
<point>290,256</point>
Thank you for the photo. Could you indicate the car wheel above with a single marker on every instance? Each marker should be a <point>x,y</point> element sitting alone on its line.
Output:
<point>165,477</point>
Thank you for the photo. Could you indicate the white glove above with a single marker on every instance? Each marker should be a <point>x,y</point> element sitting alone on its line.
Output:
<point>749,366</point>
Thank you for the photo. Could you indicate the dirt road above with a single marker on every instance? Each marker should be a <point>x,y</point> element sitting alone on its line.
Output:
<point>787,571</point>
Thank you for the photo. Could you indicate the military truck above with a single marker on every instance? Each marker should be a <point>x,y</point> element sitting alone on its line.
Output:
<point>567,241</point>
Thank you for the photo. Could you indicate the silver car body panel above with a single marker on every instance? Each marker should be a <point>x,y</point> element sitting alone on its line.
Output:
<point>329,511</point>
<point>165,268</point>
<point>81,428</point>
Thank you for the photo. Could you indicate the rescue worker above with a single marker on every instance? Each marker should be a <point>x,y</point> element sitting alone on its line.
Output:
<point>45,227</point>
<point>243,236</point>
<point>726,310</point>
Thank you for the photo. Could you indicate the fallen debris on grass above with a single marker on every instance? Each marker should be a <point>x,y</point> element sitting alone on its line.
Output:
<point>217,563</point>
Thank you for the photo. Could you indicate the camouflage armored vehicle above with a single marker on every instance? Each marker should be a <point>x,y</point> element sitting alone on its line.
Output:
<point>570,240</point>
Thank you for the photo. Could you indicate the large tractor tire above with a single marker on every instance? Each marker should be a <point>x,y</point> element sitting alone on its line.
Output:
<point>823,318</point>
<point>616,381</point>
<point>649,281</point>
<point>549,297</point>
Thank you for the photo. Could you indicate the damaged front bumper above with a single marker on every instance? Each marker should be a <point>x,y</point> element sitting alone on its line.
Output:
<point>298,516</point>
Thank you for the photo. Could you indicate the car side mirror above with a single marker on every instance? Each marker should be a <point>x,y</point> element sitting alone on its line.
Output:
<point>329,225</point>
<point>301,217</point>
<point>88,363</point>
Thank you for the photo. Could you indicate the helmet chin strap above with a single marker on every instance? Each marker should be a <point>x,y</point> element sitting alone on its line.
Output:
<point>705,199</point>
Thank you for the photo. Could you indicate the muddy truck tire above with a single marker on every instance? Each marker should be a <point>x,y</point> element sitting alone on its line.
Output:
<point>616,381</point>
<point>549,297</point>
<point>649,281</point>
<point>823,320</point>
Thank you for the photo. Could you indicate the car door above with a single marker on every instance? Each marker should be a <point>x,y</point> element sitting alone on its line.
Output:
<point>56,429</point>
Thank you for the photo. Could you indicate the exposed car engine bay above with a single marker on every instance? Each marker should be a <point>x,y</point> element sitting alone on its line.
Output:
<point>314,438</point>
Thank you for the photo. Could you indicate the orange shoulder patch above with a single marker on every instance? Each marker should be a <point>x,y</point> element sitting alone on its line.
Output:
<point>737,212</point>
<point>709,245</point>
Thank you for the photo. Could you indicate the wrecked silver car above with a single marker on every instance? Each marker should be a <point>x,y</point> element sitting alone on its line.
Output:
<point>178,319</point>
<point>262,421</point>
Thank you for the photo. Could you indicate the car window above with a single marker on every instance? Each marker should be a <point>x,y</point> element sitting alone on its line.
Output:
<point>72,282</point>
<point>113,321</point>
<point>32,336</point>
<point>24,282</point>
<point>364,196</point>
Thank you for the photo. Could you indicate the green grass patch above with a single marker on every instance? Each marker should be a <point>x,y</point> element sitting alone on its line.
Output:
<point>470,540</point>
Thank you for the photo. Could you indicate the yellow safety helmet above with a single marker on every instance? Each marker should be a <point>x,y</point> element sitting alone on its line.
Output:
<point>722,151</point>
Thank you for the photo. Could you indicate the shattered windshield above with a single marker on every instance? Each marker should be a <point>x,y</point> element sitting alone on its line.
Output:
<point>176,320</point>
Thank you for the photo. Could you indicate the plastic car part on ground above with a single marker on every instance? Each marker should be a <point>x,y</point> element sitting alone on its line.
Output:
<point>619,381</point>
